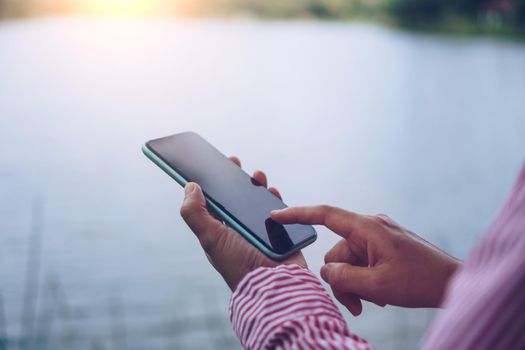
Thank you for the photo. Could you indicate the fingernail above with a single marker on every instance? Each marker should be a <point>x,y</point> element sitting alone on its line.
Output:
<point>276,211</point>
<point>325,271</point>
<point>189,188</point>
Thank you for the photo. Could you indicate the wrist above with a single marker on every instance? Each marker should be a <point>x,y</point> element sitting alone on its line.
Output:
<point>250,273</point>
<point>450,270</point>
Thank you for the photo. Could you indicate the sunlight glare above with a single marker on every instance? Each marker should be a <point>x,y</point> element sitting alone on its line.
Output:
<point>123,7</point>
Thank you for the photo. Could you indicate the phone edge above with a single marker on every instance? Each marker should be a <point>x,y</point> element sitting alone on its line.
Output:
<point>223,215</point>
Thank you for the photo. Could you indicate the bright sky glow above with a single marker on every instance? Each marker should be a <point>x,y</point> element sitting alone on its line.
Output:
<point>122,7</point>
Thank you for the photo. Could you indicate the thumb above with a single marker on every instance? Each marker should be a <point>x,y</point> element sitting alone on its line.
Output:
<point>347,278</point>
<point>196,215</point>
<point>193,198</point>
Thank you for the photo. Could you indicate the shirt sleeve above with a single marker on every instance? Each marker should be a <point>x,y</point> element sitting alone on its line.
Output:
<point>484,307</point>
<point>286,307</point>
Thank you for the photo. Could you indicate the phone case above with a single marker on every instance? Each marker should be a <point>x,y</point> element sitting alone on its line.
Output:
<point>222,214</point>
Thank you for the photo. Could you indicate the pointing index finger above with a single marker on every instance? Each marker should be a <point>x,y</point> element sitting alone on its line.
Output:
<point>338,220</point>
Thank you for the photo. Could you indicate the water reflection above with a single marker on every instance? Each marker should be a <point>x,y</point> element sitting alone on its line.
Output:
<point>427,129</point>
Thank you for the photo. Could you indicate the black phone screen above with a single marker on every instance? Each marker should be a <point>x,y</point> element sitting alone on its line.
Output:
<point>231,189</point>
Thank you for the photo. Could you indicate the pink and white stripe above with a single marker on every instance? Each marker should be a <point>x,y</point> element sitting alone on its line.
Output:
<point>286,307</point>
<point>485,303</point>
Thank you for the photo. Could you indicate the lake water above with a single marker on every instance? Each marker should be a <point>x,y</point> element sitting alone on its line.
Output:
<point>428,129</point>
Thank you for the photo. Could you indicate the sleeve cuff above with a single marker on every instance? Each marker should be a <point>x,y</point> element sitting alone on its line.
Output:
<point>271,301</point>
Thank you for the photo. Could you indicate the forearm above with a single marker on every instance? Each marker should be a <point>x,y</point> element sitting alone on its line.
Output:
<point>285,307</point>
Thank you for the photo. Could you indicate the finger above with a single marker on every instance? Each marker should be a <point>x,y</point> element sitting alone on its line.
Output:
<point>351,301</point>
<point>347,278</point>
<point>236,160</point>
<point>386,220</point>
<point>275,192</point>
<point>260,177</point>
<point>338,220</point>
<point>196,215</point>
<point>341,252</point>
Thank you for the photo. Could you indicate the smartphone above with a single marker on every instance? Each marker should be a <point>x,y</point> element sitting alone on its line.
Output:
<point>233,196</point>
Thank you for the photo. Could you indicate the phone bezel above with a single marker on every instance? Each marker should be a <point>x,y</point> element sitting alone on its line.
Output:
<point>228,219</point>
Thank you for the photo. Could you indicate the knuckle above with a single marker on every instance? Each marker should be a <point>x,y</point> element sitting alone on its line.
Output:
<point>336,254</point>
<point>333,256</point>
<point>384,220</point>
<point>337,277</point>
<point>325,208</point>
<point>327,211</point>
<point>185,211</point>
<point>380,218</point>
<point>188,211</point>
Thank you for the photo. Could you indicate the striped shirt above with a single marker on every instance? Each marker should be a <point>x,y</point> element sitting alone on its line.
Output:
<point>485,303</point>
<point>286,307</point>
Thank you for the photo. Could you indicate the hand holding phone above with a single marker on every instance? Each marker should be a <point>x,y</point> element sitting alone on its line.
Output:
<point>233,196</point>
<point>229,253</point>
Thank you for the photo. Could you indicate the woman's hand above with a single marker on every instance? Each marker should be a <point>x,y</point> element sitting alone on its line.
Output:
<point>377,260</point>
<point>230,254</point>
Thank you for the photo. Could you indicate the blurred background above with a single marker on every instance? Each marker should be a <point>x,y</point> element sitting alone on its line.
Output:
<point>414,108</point>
